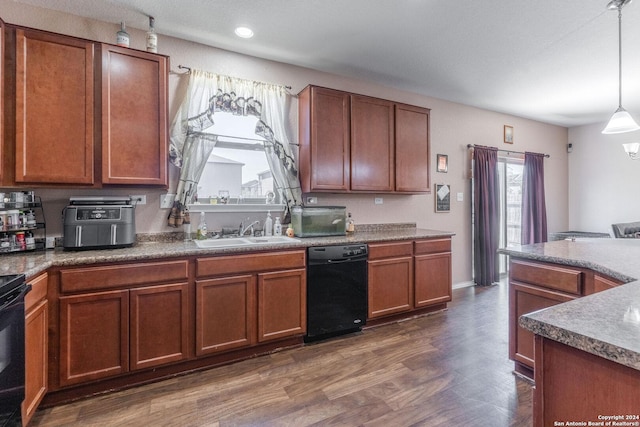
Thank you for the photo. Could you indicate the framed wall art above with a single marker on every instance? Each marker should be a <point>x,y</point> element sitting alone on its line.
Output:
<point>508,134</point>
<point>442,163</point>
<point>443,198</point>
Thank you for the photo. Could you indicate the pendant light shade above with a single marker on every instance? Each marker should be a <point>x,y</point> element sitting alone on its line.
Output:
<point>621,121</point>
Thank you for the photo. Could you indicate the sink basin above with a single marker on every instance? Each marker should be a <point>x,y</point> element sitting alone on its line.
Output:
<point>235,242</point>
<point>272,240</point>
<point>223,243</point>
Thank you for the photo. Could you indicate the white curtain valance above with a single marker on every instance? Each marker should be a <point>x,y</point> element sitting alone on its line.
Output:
<point>191,145</point>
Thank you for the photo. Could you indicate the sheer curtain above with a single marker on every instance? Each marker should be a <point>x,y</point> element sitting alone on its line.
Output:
<point>486,204</point>
<point>191,144</point>
<point>534,211</point>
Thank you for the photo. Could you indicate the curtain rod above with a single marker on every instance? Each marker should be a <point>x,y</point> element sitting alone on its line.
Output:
<point>507,151</point>
<point>188,69</point>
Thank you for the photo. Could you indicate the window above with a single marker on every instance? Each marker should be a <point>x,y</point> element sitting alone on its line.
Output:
<point>237,171</point>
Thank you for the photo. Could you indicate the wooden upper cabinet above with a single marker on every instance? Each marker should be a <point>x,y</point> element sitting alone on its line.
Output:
<point>412,149</point>
<point>2,92</point>
<point>134,117</point>
<point>356,143</point>
<point>372,144</point>
<point>324,127</point>
<point>54,109</point>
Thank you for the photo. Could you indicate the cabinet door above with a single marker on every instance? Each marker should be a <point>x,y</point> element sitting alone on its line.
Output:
<point>134,117</point>
<point>54,109</point>
<point>225,313</point>
<point>94,336</point>
<point>372,144</point>
<point>159,325</point>
<point>390,286</point>
<point>525,299</point>
<point>412,149</point>
<point>282,304</point>
<point>36,345</point>
<point>324,139</point>
<point>2,92</point>
<point>432,279</point>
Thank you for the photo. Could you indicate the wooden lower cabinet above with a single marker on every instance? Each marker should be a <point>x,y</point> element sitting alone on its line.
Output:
<point>228,301</point>
<point>432,272</point>
<point>103,334</point>
<point>158,325</point>
<point>94,336</point>
<point>406,275</point>
<point>265,300</point>
<point>537,285</point>
<point>525,299</point>
<point>573,385</point>
<point>390,286</point>
<point>282,304</point>
<point>36,346</point>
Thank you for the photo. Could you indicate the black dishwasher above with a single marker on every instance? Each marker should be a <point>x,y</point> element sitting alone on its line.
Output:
<point>336,290</point>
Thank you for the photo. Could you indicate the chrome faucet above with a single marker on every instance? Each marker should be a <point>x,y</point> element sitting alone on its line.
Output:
<point>243,229</point>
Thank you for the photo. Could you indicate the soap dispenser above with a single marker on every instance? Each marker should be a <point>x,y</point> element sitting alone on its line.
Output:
<point>268,225</point>
<point>202,227</point>
<point>350,224</point>
<point>277,228</point>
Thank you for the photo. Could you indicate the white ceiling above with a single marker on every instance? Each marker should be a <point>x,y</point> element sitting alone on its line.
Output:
<point>549,60</point>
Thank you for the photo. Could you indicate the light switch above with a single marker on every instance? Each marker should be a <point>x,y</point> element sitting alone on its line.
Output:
<point>460,197</point>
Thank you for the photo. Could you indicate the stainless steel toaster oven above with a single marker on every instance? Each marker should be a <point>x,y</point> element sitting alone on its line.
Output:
<point>99,223</point>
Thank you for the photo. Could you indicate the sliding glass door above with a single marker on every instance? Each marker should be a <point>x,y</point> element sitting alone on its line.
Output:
<point>510,176</point>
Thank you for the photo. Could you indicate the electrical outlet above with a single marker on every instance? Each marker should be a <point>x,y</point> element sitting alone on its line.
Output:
<point>50,243</point>
<point>460,197</point>
<point>312,200</point>
<point>166,200</point>
<point>378,200</point>
<point>139,199</point>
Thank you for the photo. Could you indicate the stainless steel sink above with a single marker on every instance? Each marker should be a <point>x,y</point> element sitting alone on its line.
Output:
<point>245,242</point>
<point>223,243</point>
<point>272,240</point>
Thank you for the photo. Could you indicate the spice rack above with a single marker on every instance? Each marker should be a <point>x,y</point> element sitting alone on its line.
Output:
<point>23,226</point>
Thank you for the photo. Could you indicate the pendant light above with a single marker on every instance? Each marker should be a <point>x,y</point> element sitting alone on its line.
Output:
<point>621,121</point>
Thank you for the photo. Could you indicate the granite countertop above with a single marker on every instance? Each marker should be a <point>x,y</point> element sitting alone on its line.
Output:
<point>606,324</point>
<point>33,263</point>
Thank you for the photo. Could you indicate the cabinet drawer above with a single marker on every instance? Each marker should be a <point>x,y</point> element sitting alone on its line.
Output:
<point>432,246</point>
<point>547,275</point>
<point>113,276</point>
<point>38,291</point>
<point>250,263</point>
<point>389,250</point>
<point>599,283</point>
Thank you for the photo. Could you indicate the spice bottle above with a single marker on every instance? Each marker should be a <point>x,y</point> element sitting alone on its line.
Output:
<point>152,37</point>
<point>122,37</point>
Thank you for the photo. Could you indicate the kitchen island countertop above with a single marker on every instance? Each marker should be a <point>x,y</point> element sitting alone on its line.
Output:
<point>33,263</point>
<point>606,324</point>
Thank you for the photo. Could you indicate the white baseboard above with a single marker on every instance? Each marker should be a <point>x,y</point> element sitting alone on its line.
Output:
<point>463,284</point>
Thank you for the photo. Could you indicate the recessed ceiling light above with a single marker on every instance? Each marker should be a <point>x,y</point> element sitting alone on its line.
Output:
<point>244,32</point>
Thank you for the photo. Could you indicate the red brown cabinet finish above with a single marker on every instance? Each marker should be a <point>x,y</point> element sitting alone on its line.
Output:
<point>356,143</point>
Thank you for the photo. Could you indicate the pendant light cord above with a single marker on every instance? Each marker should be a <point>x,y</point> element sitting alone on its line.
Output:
<point>620,56</point>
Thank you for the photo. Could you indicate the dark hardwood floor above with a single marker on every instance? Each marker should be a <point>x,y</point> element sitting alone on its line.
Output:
<point>447,369</point>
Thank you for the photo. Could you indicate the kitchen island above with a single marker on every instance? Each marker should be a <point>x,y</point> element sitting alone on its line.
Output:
<point>587,350</point>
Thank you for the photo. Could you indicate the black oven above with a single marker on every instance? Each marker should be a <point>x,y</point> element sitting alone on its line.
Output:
<point>12,376</point>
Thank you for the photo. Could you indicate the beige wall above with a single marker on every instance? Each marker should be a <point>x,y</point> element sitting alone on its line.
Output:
<point>603,180</point>
<point>453,126</point>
